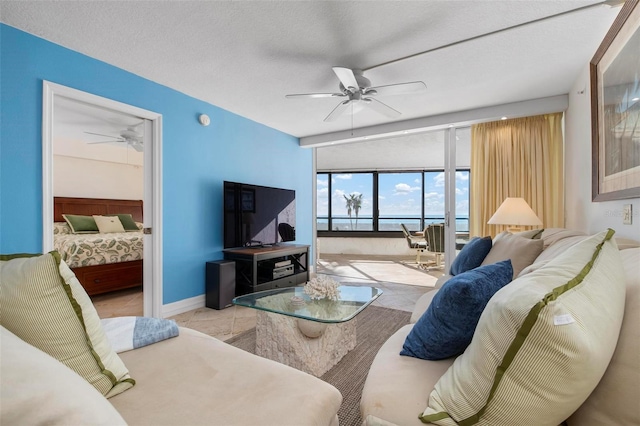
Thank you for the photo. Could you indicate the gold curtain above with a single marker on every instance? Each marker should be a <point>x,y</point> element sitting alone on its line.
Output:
<point>521,157</point>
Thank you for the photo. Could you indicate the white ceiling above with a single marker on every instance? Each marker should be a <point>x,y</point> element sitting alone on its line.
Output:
<point>245,56</point>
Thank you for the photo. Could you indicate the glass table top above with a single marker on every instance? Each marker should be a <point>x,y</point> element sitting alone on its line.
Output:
<point>293,301</point>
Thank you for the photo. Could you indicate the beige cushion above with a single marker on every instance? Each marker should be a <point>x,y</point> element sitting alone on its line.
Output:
<point>558,247</point>
<point>521,251</point>
<point>108,224</point>
<point>36,389</point>
<point>397,387</point>
<point>195,379</point>
<point>421,305</point>
<point>56,316</point>
<point>542,344</point>
<point>626,243</point>
<point>552,235</point>
<point>532,234</point>
<point>616,399</point>
<point>441,280</point>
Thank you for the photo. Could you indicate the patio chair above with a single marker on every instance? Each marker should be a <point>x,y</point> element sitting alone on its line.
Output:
<point>416,243</point>
<point>287,232</point>
<point>434,236</point>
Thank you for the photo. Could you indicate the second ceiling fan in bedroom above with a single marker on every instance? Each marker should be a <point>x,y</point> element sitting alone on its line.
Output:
<point>128,136</point>
<point>358,90</point>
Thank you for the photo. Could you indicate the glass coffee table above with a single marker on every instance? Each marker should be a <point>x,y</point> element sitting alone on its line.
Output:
<point>310,335</point>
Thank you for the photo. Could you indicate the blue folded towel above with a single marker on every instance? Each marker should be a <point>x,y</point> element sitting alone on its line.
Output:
<point>127,333</point>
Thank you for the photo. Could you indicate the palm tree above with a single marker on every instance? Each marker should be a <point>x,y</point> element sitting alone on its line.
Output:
<point>349,207</point>
<point>356,202</point>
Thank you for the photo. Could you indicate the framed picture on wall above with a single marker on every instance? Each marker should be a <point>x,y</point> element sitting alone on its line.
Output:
<point>615,109</point>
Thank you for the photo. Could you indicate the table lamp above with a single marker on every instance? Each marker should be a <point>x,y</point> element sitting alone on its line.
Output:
<point>515,211</point>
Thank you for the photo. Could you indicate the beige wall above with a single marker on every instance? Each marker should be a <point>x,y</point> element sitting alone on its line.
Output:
<point>109,170</point>
<point>80,177</point>
<point>580,212</point>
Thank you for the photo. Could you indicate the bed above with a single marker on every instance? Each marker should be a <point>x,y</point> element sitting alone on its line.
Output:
<point>102,262</point>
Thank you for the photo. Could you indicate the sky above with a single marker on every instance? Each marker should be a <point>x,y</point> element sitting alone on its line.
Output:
<point>399,193</point>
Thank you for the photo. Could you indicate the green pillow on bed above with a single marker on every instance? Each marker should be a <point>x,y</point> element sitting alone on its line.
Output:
<point>127,221</point>
<point>81,224</point>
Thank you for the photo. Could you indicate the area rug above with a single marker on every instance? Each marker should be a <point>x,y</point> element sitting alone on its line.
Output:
<point>375,325</point>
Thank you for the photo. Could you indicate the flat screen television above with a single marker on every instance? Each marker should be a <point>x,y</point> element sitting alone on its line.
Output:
<point>252,214</point>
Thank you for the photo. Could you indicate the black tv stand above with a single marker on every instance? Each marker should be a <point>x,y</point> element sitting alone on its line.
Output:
<point>256,270</point>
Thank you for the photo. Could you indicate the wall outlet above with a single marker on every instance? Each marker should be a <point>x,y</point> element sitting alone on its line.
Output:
<point>627,215</point>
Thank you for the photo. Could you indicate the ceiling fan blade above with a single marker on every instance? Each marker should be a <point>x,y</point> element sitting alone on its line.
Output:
<point>315,95</point>
<point>100,134</point>
<point>397,89</point>
<point>115,140</point>
<point>137,146</point>
<point>346,77</point>
<point>381,108</point>
<point>338,110</point>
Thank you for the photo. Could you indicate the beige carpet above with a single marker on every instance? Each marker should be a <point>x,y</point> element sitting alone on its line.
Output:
<point>375,325</point>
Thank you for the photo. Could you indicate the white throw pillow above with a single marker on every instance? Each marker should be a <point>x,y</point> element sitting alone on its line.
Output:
<point>542,344</point>
<point>37,389</point>
<point>108,224</point>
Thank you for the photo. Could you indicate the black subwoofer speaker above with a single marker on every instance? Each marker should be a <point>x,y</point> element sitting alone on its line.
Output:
<point>221,283</point>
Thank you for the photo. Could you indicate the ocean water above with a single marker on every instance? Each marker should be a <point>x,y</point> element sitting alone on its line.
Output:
<point>366,224</point>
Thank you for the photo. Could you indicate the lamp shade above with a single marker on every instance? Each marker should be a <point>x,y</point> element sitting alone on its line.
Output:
<point>515,211</point>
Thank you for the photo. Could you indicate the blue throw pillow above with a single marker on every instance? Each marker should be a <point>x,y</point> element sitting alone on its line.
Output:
<point>471,255</point>
<point>447,326</point>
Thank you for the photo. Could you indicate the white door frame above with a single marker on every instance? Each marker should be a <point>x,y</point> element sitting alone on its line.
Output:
<point>152,285</point>
<point>449,195</point>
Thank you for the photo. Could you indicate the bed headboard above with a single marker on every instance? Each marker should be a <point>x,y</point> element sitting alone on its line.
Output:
<point>97,206</point>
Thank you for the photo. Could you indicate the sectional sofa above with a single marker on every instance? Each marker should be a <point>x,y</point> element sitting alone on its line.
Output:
<point>579,365</point>
<point>58,368</point>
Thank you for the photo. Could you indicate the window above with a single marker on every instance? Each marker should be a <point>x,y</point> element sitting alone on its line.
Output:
<point>399,201</point>
<point>351,201</point>
<point>346,201</point>
<point>322,201</point>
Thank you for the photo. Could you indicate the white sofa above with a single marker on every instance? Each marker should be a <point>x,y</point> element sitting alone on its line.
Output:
<point>190,379</point>
<point>398,388</point>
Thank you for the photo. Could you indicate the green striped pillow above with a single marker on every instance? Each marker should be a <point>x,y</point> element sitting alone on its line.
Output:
<point>44,304</point>
<point>542,344</point>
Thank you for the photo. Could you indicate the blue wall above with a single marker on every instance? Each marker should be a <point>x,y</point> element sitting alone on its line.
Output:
<point>196,159</point>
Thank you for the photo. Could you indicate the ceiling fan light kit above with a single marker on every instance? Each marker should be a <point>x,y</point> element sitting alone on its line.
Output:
<point>357,88</point>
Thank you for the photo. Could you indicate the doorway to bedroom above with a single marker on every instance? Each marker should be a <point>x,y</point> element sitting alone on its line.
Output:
<point>98,172</point>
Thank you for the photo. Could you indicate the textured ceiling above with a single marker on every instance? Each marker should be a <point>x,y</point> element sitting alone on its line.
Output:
<point>245,56</point>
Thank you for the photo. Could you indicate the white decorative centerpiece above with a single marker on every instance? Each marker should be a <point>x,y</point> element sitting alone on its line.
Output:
<point>322,287</point>
<point>322,291</point>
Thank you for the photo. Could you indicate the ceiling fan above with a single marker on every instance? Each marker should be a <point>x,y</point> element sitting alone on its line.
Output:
<point>128,135</point>
<point>358,90</point>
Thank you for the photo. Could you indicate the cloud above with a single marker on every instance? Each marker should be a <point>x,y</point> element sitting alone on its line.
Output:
<point>432,195</point>
<point>323,192</point>
<point>321,182</point>
<point>439,179</point>
<point>462,176</point>
<point>403,188</point>
<point>459,191</point>
<point>345,176</point>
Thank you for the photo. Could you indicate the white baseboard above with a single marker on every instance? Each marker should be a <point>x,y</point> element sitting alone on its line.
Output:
<point>181,306</point>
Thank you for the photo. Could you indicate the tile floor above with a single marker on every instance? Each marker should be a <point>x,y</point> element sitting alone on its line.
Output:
<point>399,278</point>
